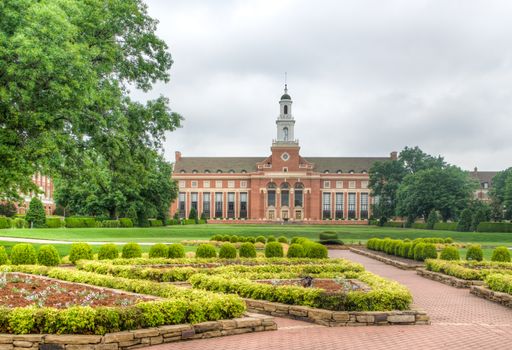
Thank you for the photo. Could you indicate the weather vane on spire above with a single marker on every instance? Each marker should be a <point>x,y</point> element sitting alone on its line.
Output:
<point>285,82</point>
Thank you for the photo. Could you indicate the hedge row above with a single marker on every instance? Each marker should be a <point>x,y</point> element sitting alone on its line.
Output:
<point>418,249</point>
<point>252,239</point>
<point>499,282</point>
<point>468,270</point>
<point>494,227</point>
<point>452,226</point>
<point>384,295</point>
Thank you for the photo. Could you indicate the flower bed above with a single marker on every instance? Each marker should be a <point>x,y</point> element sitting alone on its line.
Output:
<point>20,290</point>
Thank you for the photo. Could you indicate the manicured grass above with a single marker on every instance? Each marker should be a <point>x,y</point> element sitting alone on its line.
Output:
<point>349,234</point>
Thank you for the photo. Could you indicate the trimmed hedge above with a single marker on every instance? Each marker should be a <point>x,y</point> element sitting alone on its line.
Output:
<point>23,254</point>
<point>206,251</point>
<point>247,250</point>
<point>227,251</point>
<point>125,222</point>
<point>5,222</point>
<point>48,256</point>
<point>54,222</point>
<point>261,239</point>
<point>80,251</point>
<point>468,270</point>
<point>159,250</point>
<point>274,250</point>
<point>450,253</point>
<point>80,221</point>
<point>446,226</point>
<point>176,250</point>
<point>282,239</point>
<point>501,254</point>
<point>131,250</point>
<point>155,223</point>
<point>110,223</point>
<point>108,251</point>
<point>499,282</point>
<point>475,253</point>
<point>296,251</point>
<point>393,224</point>
<point>3,256</point>
<point>494,227</point>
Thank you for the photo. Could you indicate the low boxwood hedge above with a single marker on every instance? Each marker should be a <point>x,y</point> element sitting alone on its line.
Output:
<point>499,282</point>
<point>494,227</point>
<point>80,221</point>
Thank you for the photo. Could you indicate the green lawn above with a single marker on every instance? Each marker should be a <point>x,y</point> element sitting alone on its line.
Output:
<point>349,234</point>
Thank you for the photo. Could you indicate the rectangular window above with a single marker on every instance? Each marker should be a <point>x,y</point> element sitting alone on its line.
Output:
<point>181,184</point>
<point>206,204</point>
<point>218,184</point>
<point>364,184</point>
<point>271,198</point>
<point>231,184</point>
<point>339,184</point>
<point>285,198</point>
<point>298,198</point>
<point>327,184</point>
<point>339,205</point>
<point>243,205</point>
<point>364,206</point>
<point>193,200</point>
<point>181,204</point>
<point>326,208</point>
<point>243,184</point>
<point>206,184</point>
<point>351,205</point>
<point>351,184</point>
<point>231,205</point>
<point>193,184</point>
<point>218,204</point>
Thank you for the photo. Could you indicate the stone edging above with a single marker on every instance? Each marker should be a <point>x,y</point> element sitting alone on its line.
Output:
<point>447,279</point>
<point>497,297</point>
<point>390,261</point>
<point>339,318</point>
<point>140,337</point>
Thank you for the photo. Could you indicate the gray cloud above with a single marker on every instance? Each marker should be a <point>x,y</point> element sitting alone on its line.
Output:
<point>367,77</point>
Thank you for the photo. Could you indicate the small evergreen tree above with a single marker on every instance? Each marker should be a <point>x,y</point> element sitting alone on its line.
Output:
<point>36,216</point>
<point>466,218</point>
<point>193,215</point>
<point>432,219</point>
<point>481,215</point>
<point>204,217</point>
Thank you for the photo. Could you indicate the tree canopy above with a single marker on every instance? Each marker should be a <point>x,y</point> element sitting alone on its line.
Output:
<point>501,193</point>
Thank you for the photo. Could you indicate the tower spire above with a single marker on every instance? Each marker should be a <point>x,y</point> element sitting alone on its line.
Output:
<point>285,83</point>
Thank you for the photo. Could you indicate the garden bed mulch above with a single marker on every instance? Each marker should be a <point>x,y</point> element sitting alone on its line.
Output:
<point>401,263</point>
<point>21,290</point>
<point>328,284</point>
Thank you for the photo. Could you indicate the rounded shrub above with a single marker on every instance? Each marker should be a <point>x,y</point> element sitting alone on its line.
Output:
<point>274,250</point>
<point>448,240</point>
<point>206,251</point>
<point>247,250</point>
<point>271,239</point>
<point>251,239</point>
<point>227,251</point>
<point>80,251</point>
<point>234,239</point>
<point>108,251</point>
<point>450,253</point>
<point>176,251</point>
<point>23,254</point>
<point>3,256</point>
<point>406,249</point>
<point>282,239</point>
<point>314,250</point>
<point>131,250</point>
<point>429,251</point>
<point>295,251</point>
<point>418,251</point>
<point>261,239</point>
<point>225,238</point>
<point>475,253</point>
<point>501,254</point>
<point>48,256</point>
<point>216,238</point>
<point>158,250</point>
<point>125,222</point>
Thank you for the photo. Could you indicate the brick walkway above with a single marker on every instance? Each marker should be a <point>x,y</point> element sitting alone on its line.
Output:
<point>459,321</point>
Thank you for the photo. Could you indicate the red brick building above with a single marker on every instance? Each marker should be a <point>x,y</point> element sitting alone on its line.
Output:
<point>283,186</point>
<point>45,184</point>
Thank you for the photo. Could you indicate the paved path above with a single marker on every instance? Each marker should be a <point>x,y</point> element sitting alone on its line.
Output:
<point>459,321</point>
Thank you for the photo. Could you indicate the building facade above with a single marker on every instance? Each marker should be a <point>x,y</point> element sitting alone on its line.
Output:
<point>45,185</point>
<point>283,186</point>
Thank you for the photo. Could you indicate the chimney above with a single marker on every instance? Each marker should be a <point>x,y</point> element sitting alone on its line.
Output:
<point>476,170</point>
<point>393,155</point>
<point>177,155</point>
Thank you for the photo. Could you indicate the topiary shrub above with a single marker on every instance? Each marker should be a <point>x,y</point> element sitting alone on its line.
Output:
<point>54,222</point>
<point>475,253</point>
<point>282,239</point>
<point>125,222</point>
<point>418,252</point>
<point>158,250</point>
<point>23,254</point>
<point>251,239</point>
<point>261,239</point>
<point>271,239</point>
<point>176,251</point>
<point>450,253</point>
<point>36,216</point>
<point>274,250</point>
<point>108,251</point>
<point>131,250</point>
<point>80,251</point>
<point>48,256</point>
<point>227,251</point>
<point>314,250</point>
<point>295,251</point>
<point>80,221</point>
<point>206,251</point>
<point>247,250</point>
<point>429,251</point>
<point>3,256</point>
<point>501,254</point>
<point>217,238</point>
<point>406,250</point>
<point>233,239</point>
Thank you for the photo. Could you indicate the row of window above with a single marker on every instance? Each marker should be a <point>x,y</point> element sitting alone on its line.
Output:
<point>339,171</point>
<point>339,184</point>
<point>219,171</point>
<point>339,205</point>
<point>207,184</point>
<point>218,204</point>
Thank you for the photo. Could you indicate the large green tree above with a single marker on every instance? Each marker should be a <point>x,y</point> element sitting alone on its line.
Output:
<point>501,194</point>
<point>65,70</point>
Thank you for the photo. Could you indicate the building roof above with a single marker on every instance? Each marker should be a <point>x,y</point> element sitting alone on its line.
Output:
<point>286,97</point>
<point>213,164</point>
<point>345,164</point>
<point>484,176</point>
<point>249,164</point>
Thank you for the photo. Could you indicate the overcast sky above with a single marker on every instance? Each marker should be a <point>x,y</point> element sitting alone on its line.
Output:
<point>366,76</point>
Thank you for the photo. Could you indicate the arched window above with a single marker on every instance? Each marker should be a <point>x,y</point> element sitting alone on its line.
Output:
<point>351,172</point>
<point>194,171</point>
<point>339,171</point>
<point>183,171</point>
<point>285,133</point>
<point>219,171</point>
<point>285,109</point>
<point>231,171</point>
<point>271,194</point>
<point>244,171</point>
<point>326,171</point>
<point>285,194</point>
<point>207,171</point>
<point>364,172</point>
